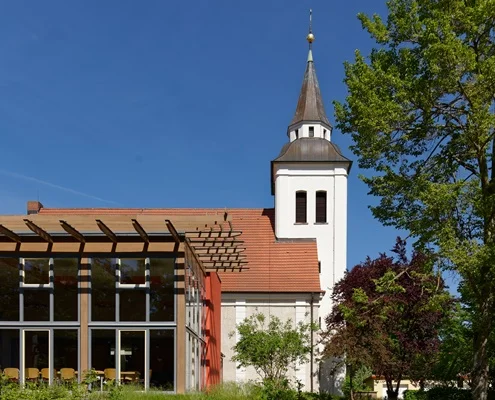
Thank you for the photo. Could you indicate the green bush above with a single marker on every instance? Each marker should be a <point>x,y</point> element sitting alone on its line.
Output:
<point>415,395</point>
<point>442,393</point>
<point>448,393</point>
<point>438,393</point>
<point>228,391</point>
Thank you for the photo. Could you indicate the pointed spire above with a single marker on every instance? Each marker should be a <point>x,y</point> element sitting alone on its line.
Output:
<point>310,104</point>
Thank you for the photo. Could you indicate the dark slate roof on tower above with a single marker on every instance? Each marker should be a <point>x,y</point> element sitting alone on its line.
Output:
<point>309,150</point>
<point>312,150</point>
<point>310,105</point>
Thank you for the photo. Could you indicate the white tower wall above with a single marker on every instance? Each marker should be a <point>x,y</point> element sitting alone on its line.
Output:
<point>331,237</point>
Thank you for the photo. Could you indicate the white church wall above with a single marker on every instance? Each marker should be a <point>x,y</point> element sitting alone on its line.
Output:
<point>236,307</point>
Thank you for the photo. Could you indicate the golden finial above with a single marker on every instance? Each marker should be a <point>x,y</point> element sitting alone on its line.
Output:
<point>310,38</point>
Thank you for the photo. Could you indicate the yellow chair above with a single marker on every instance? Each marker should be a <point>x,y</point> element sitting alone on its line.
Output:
<point>110,374</point>
<point>45,374</point>
<point>67,374</point>
<point>12,373</point>
<point>32,374</point>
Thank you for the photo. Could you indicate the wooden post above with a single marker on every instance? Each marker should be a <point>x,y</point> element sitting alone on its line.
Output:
<point>84,314</point>
<point>181,355</point>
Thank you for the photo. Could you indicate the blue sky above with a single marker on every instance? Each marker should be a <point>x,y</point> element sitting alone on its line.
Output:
<point>167,104</point>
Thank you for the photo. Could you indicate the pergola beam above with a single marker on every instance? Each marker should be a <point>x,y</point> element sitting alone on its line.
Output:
<point>212,234</point>
<point>219,250</point>
<point>220,239</point>
<point>139,229</point>
<point>216,246</point>
<point>224,264</point>
<point>11,235</point>
<point>206,245</point>
<point>106,230</point>
<point>172,230</point>
<point>221,257</point>
<point>72,231</point>
<point>40,232</point>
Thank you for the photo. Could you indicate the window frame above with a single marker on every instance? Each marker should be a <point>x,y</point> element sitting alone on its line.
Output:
<point>304,207</point>
<point>146,287</point>
<point>319,213</point>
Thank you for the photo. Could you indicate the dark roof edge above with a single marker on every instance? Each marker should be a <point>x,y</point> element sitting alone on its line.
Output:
<point>349,162</point>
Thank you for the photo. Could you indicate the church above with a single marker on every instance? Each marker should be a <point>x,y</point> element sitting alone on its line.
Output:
<point>151,296</point>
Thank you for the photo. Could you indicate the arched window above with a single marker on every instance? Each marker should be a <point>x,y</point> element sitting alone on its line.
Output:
<point>301,207</point>
<point>321,207</point>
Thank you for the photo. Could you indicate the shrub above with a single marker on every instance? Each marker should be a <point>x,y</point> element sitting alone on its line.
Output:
<point>415,395</point>
<point>450,393</point>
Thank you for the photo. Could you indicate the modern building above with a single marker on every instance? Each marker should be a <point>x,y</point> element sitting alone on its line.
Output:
<point>151,296</point>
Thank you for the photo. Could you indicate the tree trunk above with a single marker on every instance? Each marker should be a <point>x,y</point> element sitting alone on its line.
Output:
<point>350,381</point>
<point>392,394</point>
<point>480,367</point>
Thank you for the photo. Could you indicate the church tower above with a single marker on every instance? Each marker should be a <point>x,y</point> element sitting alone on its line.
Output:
<point>309,182</point>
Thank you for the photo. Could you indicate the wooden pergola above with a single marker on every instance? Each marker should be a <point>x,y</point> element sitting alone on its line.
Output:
<point>213,241</point>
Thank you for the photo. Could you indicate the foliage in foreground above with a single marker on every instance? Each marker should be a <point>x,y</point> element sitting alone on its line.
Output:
<point>454,360</point>
<point>442,393</point>
<point>387,314</point>
<point>223,392</point>
<point>272,347</point>
<point>420,110</point>
<point>355,380</point>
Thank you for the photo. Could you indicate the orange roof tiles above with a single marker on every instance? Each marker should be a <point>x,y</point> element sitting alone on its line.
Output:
<point>274,266</point>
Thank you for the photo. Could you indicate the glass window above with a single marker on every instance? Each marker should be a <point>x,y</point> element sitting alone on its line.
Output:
<point>35,353</point>
<point>65,352</point>
<point>162,289</point>
<point>162,357</point>
<point>301,207</point>
<point>36,271</point>
<point>65,293</point>
<point>132,271</point>
<point>103,350</point>
<point>36,305</point>
<point>311,131</point>
<point>132,304</point>
<point>9,289</point>
<point>132,356</point>
<point>9,353</point>
<point>102,289</point>
<point>321,207</point>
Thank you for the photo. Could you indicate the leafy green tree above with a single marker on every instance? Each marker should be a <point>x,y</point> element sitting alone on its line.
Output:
<point>355,381</point>
<point>387,314</point>
<point>272,346</point>
<point>454,360</point>
<point>456,351</point>
<point>421,112</point>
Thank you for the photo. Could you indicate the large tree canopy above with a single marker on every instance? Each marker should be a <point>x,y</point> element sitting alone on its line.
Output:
<point>387,314</point>
<point>421,112</point>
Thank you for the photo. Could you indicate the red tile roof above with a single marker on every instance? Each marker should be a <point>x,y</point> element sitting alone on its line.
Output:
<point>274,266</point>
